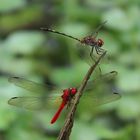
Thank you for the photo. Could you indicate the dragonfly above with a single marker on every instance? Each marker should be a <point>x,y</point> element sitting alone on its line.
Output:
<point>64,98</point>
<point>90,40</point>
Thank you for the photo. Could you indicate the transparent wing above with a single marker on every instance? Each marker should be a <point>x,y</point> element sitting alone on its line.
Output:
<point>101,91</point>
<point>84,51</point>
<point>41,101</point>
<point>31,86</point>
<point>101,80</point>
<point>96,100</point>
<point>95,33</point>
<point>35,103</point>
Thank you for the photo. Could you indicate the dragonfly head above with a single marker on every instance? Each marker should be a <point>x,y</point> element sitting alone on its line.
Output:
<point>100,42</point>
<point>73,91</point>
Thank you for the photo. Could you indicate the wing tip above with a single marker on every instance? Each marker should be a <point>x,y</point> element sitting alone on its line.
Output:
<point>11,79</point>
<point>117,94</point>
<point>105,21</point>
<point>114,72</point>
<point>9,101</point>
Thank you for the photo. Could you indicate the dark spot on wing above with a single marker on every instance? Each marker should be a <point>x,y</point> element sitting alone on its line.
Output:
<point>113,72</point>
<point>16,77</point>
<point>115,93</point>
<point>14,97</point>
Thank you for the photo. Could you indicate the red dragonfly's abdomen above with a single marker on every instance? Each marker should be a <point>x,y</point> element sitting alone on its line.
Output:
<point>58,113</point>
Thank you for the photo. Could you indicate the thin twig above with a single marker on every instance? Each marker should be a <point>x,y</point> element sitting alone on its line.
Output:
<point>66,130</point>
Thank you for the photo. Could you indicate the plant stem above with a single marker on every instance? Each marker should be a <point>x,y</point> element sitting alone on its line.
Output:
<point>66,129</point>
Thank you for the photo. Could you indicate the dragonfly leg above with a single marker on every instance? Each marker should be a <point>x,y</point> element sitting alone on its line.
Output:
<point>91,53</point>
<point>68,105</point>
<point>99,50</point>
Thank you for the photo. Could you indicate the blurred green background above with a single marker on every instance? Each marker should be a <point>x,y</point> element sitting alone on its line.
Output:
<point>28,52</point>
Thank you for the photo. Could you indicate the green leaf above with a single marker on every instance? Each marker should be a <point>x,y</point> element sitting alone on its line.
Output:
<point>24,42</point>
<point>8,5</point>
<point>128,107</point>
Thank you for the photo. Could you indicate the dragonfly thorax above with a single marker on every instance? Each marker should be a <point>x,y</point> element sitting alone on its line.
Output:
<point>68,94</point>
<point>89,40</point>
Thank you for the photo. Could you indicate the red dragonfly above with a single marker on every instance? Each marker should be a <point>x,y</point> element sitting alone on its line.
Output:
<point>88,40</point>
<point>38,102</point>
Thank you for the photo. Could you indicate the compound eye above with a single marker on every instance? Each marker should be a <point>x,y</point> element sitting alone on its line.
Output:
<point>100,42</point>
<point>73,90</point>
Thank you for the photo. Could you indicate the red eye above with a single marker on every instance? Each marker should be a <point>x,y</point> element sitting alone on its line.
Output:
<point>100,42</point>
<point>73,90</point>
